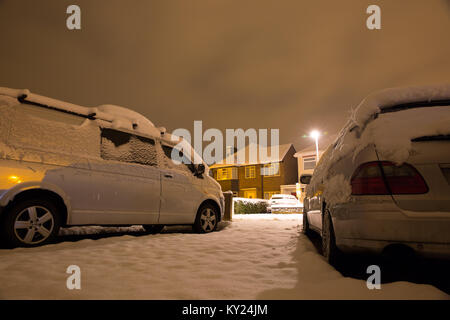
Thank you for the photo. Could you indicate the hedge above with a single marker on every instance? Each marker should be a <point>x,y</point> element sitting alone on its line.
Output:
<point>246,207</point>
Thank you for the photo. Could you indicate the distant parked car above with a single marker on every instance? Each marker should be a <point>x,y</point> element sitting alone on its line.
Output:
<point>384,184</point>
<point>283,203</point>
<point>64,165</point>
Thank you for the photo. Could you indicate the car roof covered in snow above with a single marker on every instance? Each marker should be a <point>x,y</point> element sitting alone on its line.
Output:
<point>384,99</point>
<point>120,118</point>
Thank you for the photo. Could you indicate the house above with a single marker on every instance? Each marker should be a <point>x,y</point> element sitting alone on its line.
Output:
<point>307,160</point>
<point>257,179</point>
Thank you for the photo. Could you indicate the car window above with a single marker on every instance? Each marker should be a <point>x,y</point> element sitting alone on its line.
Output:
<point>186,163</point>
<point>125,147</point>
<point>48,130</point>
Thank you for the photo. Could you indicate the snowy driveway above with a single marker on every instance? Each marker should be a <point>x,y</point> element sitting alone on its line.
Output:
<point>254,257</point>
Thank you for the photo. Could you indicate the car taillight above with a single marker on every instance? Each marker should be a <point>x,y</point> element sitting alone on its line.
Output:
<point>368,179</point>
<point>404,179</point>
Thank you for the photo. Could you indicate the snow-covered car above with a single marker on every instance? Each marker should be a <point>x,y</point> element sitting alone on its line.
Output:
<point>64,165</point>
<point>283,202</point>
<point>384,185</point>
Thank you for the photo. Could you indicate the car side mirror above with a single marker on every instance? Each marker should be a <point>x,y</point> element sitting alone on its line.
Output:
<point>200,170</point>
<point>305,178</point>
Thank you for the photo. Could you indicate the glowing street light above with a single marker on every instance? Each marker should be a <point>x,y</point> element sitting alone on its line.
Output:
<point>315,135</point>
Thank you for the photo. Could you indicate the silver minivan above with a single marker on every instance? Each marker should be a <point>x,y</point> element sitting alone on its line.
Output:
<point>65,165</point>
<point>384,185</point>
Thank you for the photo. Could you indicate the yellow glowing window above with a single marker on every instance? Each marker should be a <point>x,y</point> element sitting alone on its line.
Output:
<point>224,174</point>
<point>250,172</point>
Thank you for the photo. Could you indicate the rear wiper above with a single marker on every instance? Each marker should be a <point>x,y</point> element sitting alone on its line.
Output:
<point>439,137</point>
<point>23,99</point>
<point>413,105</point>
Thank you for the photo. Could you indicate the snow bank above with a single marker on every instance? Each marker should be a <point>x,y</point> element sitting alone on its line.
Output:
<point>391,133</point>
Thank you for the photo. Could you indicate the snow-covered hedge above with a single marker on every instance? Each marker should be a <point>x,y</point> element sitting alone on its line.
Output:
<point>245,206</point>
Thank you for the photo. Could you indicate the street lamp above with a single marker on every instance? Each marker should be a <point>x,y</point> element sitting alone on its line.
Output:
<point>315,135</point>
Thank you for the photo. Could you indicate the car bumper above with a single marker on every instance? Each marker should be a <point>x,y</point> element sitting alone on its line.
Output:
<point>426,250</point>
<point>285,209</point>
<point>222,208</point>
<point>372,227</point>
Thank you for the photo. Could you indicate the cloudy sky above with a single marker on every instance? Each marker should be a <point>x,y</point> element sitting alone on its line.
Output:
<point>288,64</point>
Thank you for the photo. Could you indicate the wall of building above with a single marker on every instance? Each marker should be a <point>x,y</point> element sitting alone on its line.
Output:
<point>290,167</point>
<point>260,183</point>
<point>302,170</point>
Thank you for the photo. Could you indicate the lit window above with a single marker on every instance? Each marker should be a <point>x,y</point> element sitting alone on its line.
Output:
<point>250,172</point>
<point>309,163</point>
<point>271,169</point>
<point>226,173</point>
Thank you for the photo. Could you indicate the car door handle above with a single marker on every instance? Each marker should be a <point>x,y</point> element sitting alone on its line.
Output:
<point>168,175</point>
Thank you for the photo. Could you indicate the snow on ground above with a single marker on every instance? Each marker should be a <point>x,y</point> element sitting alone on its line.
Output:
<point>262,256</point>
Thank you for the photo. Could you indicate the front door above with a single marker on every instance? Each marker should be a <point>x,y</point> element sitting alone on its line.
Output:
<point>250,193</point>
<point>181,191</point>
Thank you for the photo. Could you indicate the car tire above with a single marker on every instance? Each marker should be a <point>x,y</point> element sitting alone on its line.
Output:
<point>305,227</point>
<point>30,223</point>
<point>329,249</point>
<point>153,228</point>
<point>207,219</point>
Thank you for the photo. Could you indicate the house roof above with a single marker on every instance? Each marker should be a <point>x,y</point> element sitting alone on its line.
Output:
<point>245,152</point>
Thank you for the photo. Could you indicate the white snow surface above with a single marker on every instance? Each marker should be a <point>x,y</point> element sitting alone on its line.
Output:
<point>391,133</point>
<point>257,256</point>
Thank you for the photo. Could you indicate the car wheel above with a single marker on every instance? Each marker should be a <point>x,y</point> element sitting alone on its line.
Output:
<point>329,249</point>
<point>153,228</point>
<point>305,228</point>
<point>207,219</point>
<point>30,223</point>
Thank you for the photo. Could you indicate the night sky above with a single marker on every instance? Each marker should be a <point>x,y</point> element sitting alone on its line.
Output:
<point>289,64</point>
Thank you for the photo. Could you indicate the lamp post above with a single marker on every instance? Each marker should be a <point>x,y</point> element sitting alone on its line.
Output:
<point>315,135</point>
